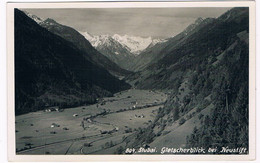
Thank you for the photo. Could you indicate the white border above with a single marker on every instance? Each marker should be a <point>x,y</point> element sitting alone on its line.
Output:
<point>10,81</point>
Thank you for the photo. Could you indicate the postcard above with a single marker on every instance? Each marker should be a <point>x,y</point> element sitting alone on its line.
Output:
<point>147,81</point>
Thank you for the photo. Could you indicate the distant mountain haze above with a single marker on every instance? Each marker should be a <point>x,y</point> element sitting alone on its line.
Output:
<point>121,49</point>
<point>157,50</point>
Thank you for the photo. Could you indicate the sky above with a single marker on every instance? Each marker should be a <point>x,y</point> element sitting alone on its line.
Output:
<point>144,22</point>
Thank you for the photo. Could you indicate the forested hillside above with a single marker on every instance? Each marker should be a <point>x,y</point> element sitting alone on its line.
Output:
<point>50,71</point>
<point>206,76</point>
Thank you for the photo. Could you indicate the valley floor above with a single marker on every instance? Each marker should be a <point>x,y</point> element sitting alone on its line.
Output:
<point>95,129</point>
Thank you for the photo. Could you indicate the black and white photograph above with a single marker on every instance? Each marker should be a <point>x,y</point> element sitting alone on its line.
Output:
<point>133,80</point>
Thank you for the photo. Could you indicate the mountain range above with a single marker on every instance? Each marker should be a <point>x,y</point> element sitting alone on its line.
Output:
<point>203,69</point>
<point>116,52</point>
<point>117,48</point>
<point>121,49</point>
<point>134,44</point>
<point>83,44</point>
<point>51,70</point>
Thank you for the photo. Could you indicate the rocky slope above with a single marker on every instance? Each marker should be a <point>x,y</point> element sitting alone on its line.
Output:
<point>108,46</point>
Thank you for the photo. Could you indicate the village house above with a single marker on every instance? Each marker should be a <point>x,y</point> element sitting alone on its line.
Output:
<point>54,125</point>
<point>52,108</point>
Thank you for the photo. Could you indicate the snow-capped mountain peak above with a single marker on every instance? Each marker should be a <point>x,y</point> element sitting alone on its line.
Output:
<point>157,41</point>
<point>98,40</point>
<point>50,21</point>
<point>87,35</point>
<point>34,17</point>
<point>134,44</point>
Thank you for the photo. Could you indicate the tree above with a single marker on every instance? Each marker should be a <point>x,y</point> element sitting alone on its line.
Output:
<point>119,150</point>
<point>176,114</point>
<point>182,121</point>
<point>111,144</point>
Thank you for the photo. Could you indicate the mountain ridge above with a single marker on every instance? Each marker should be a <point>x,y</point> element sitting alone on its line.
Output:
<point>76,38</point>
<point>59,74</point>
<point>134,44</point>
<point>83,44</point>
<point>151,54</point>
<point>206,76</point>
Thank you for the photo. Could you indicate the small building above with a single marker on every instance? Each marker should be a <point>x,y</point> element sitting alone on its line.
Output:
<point>52,108</point>
<point>54,125</point>
<point>75,115</point>
<point>47,110</point>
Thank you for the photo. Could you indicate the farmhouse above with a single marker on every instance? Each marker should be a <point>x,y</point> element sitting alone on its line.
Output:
<point>75,115</point>
<point>139,116</point>
<point>52,108</point>
<point>47,110</point>
<point>54,125</point>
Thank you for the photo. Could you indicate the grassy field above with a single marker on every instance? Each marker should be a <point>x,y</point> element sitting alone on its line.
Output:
<point>93,128</point>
